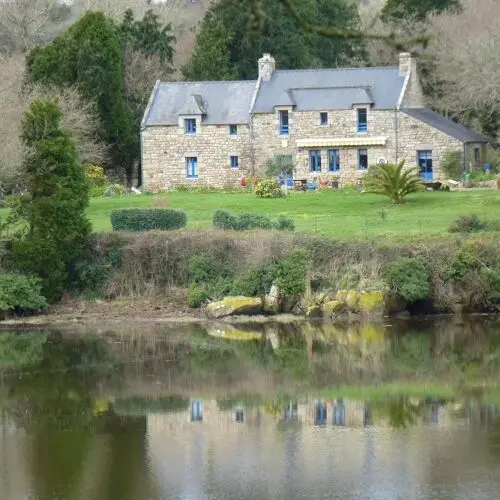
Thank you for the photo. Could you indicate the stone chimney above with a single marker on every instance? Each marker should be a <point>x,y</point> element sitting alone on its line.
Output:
<point>407,64</point>
<point>267,65</point>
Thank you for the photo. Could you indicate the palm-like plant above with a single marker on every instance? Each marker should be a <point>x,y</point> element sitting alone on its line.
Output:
<point>393,181</point>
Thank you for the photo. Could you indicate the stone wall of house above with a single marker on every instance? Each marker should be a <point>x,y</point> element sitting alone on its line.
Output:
<point>306,125</point>
<point>415,135</point>
<point>165,149</point>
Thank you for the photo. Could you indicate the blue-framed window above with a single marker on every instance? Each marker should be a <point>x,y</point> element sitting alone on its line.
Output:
<point>362,159</point>
<point>190,126</point>
<point>284,124</point>
<point>239,416</point>
<point>192,167</point>
<point>333,160</point>
<point>424,162</point>
<point>323,118</point>
<point>315,160</point>
<point>196,411</point>
<point>362,120</point>
<point>233,129</point>
<point>235,163</point>
<point>320,413</point>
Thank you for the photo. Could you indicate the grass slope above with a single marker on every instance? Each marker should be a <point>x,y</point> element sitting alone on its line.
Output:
<point>333,213</point>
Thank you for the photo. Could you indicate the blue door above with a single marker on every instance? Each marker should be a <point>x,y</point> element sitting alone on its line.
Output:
<point>424,161</point>
<point>320,413</point>
<point>196,411</point>
<point>315,161</point>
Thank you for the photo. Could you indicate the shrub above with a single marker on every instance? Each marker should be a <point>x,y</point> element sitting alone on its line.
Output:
<point>114,190</point>
<point>452,166</point>
<point>256,281</point>
<point>97,191</point>
<point>495,282</point>
<point>292,272</point>
<point>246,221</point>
<point>20,293</point>
<point>467,224</point>
<point>268,188</point>
<point>197,295</point>
<point>137,220</point>
<point>285,224</point>
<point>392,181</point>
<point>94,175</point>
<point>409,279</point>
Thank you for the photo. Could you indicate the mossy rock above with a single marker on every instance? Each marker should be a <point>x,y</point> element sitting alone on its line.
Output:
<point>314,311</point>
<point>234,306</point>
<point>333,307</point>
<point>352,300</point>
<point>372,303</point>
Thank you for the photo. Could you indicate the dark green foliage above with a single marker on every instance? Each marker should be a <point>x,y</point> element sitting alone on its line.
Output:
<point>393,181</point>
<point>292,271</point>
<point>289,273</point>
<point>148,35</point>
<point>467,224</point>
<point>452,165</point>
<point>255,281</point>
<point>197,295</point>
<point>55,207</point>
<point>147,219</point>
<point>409,279</point>
<point>247,221</point>
<point>417,10</point>
<point>280,166</point>
<point>228,48</point>
<point>495,282</point>
<point>90,56</point>
<point>20,294</point>
<point>285,224</point>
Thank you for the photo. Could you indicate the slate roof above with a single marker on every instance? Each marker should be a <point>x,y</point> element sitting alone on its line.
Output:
<point>332,88</point>
<point>445,125</point>
<point>219,102</point>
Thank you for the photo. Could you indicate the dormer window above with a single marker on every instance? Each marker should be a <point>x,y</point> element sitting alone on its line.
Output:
<point>323,118</point>
<point>233,129</point>
<point>284,128</point>
<point>190,126</point>
<point>362,120</point>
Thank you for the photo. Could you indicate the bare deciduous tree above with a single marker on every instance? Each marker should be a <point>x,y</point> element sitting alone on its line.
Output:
<point>467,50</point>
<point>78,117</point>
<point>25,23</point>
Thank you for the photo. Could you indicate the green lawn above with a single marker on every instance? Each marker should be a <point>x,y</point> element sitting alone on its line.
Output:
<point>334,213</point>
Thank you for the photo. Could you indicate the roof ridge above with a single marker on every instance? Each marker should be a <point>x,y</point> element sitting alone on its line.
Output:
<point>336,69</point>
<point>334,87</point>
<point>253,82</point>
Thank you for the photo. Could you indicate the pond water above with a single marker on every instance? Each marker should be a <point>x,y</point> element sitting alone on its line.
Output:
<point>400,411</point>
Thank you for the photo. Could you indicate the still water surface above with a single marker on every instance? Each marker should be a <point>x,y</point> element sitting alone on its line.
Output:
<point>274,412</point>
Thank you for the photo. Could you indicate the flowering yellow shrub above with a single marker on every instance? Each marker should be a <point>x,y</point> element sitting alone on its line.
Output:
<point>94,174</point>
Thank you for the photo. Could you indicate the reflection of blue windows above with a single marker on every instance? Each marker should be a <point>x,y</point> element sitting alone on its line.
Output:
<point>320,413</point>
<point>367,419</point>
<point>339,413</point>
<point>196,411</point>
<point>239,416</point>
<point>291,411</point>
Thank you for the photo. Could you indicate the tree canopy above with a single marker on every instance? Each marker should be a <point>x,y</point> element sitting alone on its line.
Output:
<point>417,9</point>
<point>227,47</point>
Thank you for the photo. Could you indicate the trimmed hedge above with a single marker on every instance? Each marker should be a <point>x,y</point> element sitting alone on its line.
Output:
<point>148,219</point>
<point>245,221</point>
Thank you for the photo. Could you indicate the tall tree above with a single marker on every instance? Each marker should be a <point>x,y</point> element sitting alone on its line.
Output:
<point>90,56</point>
<point>58,197</point>
<point>227,37</point>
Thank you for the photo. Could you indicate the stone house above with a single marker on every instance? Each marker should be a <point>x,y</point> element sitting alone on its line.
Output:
<point>332,123</point>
